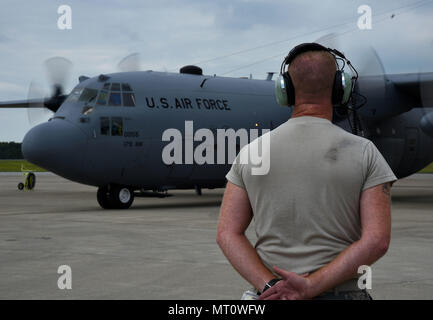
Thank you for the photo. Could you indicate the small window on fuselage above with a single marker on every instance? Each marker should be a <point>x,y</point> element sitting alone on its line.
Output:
<point>105,126</point>
<point>116,126</point>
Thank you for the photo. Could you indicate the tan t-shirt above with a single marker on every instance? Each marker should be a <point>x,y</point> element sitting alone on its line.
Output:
<point>306,208</point>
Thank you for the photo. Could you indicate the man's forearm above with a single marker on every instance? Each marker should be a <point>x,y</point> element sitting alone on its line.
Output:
<point>345,265</point>
<point>376,234</point>
<point>243,257</point>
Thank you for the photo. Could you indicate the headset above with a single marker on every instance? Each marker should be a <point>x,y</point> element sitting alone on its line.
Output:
<point>343,86</point>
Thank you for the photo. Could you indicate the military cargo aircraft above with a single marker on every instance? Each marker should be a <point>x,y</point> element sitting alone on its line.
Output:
<point>108,131</point>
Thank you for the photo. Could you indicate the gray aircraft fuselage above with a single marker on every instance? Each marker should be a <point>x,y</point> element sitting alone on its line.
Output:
<point>71,144</point>
<point>123,145</point>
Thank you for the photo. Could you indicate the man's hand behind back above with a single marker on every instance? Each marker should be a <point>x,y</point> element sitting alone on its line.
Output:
<point>291,287</point>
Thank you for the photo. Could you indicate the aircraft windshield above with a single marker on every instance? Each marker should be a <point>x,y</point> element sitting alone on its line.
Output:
<point>74,95</point>
<point>112,94</point>
<point>116,94</point>
<point>88,95</point>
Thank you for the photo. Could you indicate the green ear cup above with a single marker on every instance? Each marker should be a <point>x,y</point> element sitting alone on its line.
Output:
<point>347,87</point>
<point>281,91</point>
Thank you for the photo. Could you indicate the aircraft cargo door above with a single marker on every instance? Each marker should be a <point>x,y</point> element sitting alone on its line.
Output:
<point>115,149</point>
<point>410,151</point>
<point>179,174</point>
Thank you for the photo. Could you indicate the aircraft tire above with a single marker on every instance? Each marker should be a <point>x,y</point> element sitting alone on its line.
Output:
<point>103,198</point>
<point>121,197</point>
<point>31,181</point>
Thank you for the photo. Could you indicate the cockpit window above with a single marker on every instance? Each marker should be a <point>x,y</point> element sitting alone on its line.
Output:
<point>88,95</point>
<point>74,95</point>
<point>128,99</point>
<point>115,87</point>
<point>115,99</point>
<point>102,98</point>
<point>116,94</point>
<point>112,94</point>
<point>126,87</point>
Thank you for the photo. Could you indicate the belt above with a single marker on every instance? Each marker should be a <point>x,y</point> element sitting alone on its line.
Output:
<point>349,285</point>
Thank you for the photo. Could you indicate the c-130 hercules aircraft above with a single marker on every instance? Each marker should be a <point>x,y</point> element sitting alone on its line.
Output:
<point>108,131</point>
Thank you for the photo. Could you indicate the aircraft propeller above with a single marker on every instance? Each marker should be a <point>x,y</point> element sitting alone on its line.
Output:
<point>372,76</point>
<point>130,63</point>
<point>426,95</point>
<point>37,113</point>
<point>58,70</point>
<point>369,65</point>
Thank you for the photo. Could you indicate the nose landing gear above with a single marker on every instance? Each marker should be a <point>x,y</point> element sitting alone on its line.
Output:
<point>29,181</point>
<point>115,197</point>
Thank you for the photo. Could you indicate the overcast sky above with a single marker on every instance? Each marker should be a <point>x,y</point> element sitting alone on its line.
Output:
<point>170,34</point>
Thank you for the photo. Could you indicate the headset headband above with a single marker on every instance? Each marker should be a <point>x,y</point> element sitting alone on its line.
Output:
<point>343,86</point>
<point>306,47</point>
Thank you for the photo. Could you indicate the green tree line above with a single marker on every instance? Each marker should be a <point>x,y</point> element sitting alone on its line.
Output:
<point>10,150</point>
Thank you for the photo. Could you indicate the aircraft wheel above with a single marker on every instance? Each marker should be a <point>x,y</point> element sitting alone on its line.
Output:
<point>20,186</point>
<point>121,197</point>
<point>31,181</point>
<point>103,198</point>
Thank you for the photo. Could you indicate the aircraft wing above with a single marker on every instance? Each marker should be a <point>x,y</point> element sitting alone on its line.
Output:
<point>32,103</point>
<point>419,86</point>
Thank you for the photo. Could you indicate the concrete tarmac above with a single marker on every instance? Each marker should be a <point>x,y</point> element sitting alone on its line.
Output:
<point>165,248</point>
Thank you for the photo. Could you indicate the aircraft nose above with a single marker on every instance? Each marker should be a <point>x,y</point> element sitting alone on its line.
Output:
<point>57,146</point>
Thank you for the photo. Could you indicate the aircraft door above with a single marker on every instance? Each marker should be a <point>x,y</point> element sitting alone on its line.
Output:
<point>115,149</point>
<point>180,173</point>
<point>411,144</point>
<point>208,172</point>
<point>410,150</point>
<point>135,149</point>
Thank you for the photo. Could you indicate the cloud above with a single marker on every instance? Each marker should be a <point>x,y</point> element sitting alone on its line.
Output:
<point>4,38</point>
<point>169,34</point>
<point>11,90</point>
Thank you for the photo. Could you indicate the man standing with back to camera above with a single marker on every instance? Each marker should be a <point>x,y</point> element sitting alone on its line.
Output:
<point>323,209</point>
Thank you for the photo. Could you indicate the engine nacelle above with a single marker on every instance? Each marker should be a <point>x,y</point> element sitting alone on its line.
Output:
<point>426,124</point>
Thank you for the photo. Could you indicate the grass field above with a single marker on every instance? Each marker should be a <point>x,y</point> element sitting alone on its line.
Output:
<point>428,169</point>
<point>15,166</point>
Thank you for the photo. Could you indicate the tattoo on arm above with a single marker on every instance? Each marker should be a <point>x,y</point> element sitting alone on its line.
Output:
<point>386,189</point>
